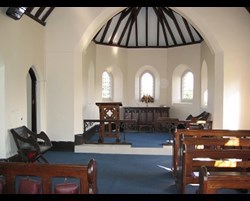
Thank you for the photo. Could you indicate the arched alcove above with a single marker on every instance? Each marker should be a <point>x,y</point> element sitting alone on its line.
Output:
<point>156,75</point>
<point>193,18</point>
<point>176,82</point>
<point>204,85</point>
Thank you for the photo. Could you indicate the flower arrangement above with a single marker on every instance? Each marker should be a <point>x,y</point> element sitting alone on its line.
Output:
<point>147,99</point>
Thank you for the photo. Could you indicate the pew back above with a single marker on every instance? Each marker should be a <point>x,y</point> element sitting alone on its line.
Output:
<point>218,158</point>
<point>200,133</point>
<point>210,183</point>
<point>85,173</point>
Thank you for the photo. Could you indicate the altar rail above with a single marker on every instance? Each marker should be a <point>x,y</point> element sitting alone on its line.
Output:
<point>119,124</point>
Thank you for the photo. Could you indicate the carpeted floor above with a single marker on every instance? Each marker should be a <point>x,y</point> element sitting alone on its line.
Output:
<point>125,174</point>
<point>129,174</point>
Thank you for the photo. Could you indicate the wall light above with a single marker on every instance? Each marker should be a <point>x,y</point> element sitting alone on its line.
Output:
<point>16,12</point>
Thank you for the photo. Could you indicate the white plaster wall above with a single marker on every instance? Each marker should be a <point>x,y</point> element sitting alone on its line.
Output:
<point>208,57</point>
<point>2,112</point>
<point>113,60</point>
<point>151,59</point>
<point>60,96</point>
<point>161,62</point>
<point>234,36</point>
<point>66,26</point>
<point>188,56</point>
<point>67,34</point>
<point>227,33</point>
<point>90,110</point>
<point>131,61</point>
<point>64,71</point>
<point>22,46</point>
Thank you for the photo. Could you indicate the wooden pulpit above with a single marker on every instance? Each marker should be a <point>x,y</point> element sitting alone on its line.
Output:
<point>109,112</point>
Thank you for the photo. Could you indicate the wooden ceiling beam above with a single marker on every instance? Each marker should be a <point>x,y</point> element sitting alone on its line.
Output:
<point>47,13</point>
<point>39,11</point>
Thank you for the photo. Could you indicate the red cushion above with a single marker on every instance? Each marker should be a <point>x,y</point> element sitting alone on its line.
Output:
<point>66,188</point>
<point>31,155</point>
<point>28,186</point>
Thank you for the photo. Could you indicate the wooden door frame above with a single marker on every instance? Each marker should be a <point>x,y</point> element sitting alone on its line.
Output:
<point>33,100</point>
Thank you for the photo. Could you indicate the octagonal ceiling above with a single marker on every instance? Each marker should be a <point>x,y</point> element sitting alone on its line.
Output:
<point>147,27</point>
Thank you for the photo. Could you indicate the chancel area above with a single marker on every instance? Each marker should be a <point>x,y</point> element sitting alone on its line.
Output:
<point>76,80</point>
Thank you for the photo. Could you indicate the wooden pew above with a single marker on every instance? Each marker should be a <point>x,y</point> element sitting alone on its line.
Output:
<point>85,173</point>
<point>211,182</point>
<point>217,158</point>
<point>200,133</point>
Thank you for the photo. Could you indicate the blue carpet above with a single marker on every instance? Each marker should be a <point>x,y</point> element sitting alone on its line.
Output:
<point>129,174</point>
<point>137,139</point>
<point>125,174</point>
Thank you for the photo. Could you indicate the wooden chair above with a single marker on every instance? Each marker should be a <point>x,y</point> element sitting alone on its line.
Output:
<point>193,122</point>
<point>202,116</point>
<point>31,146</point>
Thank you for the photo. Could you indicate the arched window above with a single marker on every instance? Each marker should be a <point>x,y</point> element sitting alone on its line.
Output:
<point>187,86</point>
<point>106,85</point>
<point>147,84</point>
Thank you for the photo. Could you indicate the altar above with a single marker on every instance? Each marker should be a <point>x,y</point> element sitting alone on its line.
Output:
<point>146,117</point>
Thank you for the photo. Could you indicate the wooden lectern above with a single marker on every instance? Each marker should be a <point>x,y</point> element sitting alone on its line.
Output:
<point>109,111</point>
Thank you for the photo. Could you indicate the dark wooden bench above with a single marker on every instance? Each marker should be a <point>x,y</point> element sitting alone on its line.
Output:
<point>200,133</point>
<point>214,155</point>
<point>86,174</point>
<point>196,122</point>
<point>211,182</point>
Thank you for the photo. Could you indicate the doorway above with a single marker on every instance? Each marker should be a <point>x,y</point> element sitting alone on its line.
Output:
<point>32,100</point>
